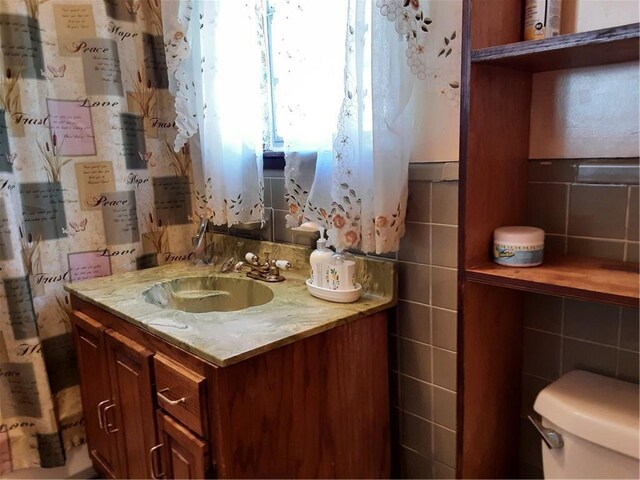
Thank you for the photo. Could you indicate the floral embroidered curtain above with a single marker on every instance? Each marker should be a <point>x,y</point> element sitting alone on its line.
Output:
<point>353,108</point>
<point>216,69</point>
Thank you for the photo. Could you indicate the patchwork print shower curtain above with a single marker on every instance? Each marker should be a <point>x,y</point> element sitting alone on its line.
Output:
<point>89,186</point>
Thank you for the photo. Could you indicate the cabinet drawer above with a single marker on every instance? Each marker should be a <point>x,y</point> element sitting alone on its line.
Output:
<point>181,393</point>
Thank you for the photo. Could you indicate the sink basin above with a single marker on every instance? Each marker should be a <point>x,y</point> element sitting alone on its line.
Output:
<point>208,294</point>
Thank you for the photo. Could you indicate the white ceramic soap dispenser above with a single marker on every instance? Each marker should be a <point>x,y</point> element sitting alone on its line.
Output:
<point>319,261</point>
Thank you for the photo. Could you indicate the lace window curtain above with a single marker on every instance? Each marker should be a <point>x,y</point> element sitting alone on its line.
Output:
<point>216,62</point>
<point>347,70</point>
<point>349,100</point>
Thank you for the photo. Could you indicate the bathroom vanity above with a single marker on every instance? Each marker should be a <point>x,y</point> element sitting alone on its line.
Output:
<point>296,387</point>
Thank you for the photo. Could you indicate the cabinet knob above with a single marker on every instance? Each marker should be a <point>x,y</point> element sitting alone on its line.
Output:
<point>168,400</point>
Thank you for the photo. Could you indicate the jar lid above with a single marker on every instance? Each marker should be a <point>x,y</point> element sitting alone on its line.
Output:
<point>519,235</point>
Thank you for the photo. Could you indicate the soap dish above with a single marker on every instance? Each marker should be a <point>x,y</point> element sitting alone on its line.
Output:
<point>339,296</point>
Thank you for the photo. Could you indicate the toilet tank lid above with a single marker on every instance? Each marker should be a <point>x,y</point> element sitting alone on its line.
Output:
<point>599,409</point>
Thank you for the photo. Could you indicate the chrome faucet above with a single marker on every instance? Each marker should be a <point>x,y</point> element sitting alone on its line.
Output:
<point>269,271</point>
<point>199,242</point>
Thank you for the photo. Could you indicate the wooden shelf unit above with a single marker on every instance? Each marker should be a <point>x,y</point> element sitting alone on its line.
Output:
<point>497,70</point>
<point>583,278</point>
<point>585,49</point>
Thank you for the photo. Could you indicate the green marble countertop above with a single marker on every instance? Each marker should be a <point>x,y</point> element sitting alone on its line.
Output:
<point>225,338</point>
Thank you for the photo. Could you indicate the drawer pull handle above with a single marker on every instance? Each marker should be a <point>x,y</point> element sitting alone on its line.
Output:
<point>153,463</point>
<point>100,413</point>
<point>168,400</point>
<point>108,427</point>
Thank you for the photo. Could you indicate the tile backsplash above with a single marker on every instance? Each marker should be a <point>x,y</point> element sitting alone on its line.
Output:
<point>584,213</point>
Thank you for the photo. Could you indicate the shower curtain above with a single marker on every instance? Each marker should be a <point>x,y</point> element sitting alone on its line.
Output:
<point>89,186</point>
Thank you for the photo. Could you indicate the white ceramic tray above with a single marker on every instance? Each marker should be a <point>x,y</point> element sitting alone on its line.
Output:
<point>339,296</point>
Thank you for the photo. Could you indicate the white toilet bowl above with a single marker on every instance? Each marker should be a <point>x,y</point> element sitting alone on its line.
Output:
<point>598,421</point>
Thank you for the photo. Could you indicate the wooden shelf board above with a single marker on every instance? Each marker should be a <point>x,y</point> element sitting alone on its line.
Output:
<point>597,47</point>
<point>583,278</point>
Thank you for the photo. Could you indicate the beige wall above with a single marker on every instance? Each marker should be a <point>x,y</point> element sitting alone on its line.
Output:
<point>585,113</point>
<point>437,126</point>
<point>588,112</point>
<point>585,15</point>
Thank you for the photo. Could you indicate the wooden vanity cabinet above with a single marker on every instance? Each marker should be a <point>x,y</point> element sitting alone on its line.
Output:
<point>95,391</point>
<point>317,407</point>
<point>132,423</point>
<point>116,390</point>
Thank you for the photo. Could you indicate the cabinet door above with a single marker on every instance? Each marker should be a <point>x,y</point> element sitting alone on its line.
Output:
<point>184,455</point>
<point>94,389</point>
<point>130,418</point>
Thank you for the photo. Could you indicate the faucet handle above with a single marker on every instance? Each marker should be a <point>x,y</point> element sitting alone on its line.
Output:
<point>282,264</point>
<point>251,258</point>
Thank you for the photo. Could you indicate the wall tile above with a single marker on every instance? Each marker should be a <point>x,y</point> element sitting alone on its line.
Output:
<point>444,445</point>
<point>633,252</point>
<point>554,244</point>
<point>277,194</point>
<point>394,390</point>
<point>396,449</point>
<point>628,366</point>
<point>444,324</point>
<point>265,233</point>
<point>547,206</point>
<point>415,397</point>
<point>274,173</point>
<point>589,247</point>
<point>415,245</point>
<point>598,211</point>
<point>444,287</point>
<point>414,359</point>
<point>444,368</point>
<point>611,171</point>
<point>280,232</point>
<point>267,193</point>
<point>629,329</point>
<point>595,322</point>
<point>419,202</point>
<point>413,282</point>
<point>392,321</point>
<point>543,312</point>
<point>531,387</point>
<point>444,246</point>
<point>303,239</point>
<point>392,347</point>
<point>444,408</point>
<point>444,203</point>
<point>579,355</point>
<point>541,352</point>
<point>562,170</point>
<point>415,433</point>
<point>414,465</point>
<point>530,444</point>
<point>442,471</point>
<point>634,214</point>
<point>529,471</point>
<point>414,321</point>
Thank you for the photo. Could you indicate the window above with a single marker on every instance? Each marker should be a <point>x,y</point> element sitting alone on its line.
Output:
<point>303,54</point>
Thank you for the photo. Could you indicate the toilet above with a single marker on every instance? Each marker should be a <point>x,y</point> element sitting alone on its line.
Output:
<point>591,423</point>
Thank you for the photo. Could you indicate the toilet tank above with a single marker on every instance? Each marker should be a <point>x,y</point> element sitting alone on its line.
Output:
<point>598,418</point>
